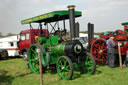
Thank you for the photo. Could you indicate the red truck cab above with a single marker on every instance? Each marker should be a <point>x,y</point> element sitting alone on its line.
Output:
<point>27,37</point>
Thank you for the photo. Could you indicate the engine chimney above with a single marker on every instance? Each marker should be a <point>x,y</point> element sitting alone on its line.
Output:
<point>90,33</point>
<point>77,30</point>
<point>71,9</point>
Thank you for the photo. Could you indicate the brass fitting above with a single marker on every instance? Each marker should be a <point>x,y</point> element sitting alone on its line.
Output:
<point>71,6</point>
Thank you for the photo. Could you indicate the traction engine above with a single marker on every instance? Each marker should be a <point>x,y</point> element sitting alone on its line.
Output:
<point>99,47</point>
<point>67,55</point>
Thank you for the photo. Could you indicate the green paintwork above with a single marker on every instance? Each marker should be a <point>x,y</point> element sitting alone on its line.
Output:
<point>45,58</point>
<point>53,57</point>
<point>51,17</point>
<point>41,40</point>
<point>47,42</point>
<point>51,44</point>
<point>54,40</point>
<point>59,49</point>
<point>125,23</point>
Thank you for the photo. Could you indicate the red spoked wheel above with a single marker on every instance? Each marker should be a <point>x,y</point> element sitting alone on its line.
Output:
<point>99,51</point>
<point>119,32</point>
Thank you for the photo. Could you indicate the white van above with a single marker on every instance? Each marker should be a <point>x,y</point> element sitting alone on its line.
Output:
<point>11,44</point>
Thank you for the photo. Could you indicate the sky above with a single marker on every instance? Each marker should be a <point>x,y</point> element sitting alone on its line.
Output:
<point>104,14</point>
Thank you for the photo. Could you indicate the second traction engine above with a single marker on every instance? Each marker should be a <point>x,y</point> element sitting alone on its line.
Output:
<point>99,47</point>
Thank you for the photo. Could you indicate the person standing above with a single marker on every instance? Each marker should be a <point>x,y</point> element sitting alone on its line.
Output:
<point>107,50</point>
<point>111,52</point>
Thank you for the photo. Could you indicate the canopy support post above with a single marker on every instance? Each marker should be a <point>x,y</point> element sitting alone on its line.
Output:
<point>40,29</point>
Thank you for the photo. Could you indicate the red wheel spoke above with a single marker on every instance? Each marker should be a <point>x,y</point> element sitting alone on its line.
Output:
<point>99,51</point>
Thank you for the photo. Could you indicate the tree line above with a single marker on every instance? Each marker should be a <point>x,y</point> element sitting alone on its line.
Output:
<point>95,33</point>
<point>12,34</point>
<point>9,34</point>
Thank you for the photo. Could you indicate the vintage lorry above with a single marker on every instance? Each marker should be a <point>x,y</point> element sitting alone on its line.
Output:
<point>26,37</point>
<point>10,44</point>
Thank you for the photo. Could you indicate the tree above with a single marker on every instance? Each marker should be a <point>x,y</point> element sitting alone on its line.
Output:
<point>1,35</point>
<point>10,34</point>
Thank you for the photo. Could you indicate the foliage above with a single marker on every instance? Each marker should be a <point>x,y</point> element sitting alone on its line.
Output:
<point>84,32</point>
<point>96,33</point>
<point>15,72</point>
<point>1,35</point>
<point>9,34</point>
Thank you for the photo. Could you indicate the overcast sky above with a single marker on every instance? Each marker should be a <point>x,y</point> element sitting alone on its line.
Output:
<point>105,14</point>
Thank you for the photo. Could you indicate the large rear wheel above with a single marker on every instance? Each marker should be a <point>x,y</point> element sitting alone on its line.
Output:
<point>34,59</point>
<point>90,64</point>
<point>99,51</point>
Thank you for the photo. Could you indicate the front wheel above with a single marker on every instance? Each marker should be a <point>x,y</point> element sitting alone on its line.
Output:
<point>25,56</point>
<point>4,54</point>
<point>90,64</point>
<point>65,67</point>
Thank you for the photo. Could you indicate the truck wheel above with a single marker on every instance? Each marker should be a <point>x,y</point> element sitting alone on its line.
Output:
<point>0,57</point>
<point>25,56</point>
<point>6,56</point>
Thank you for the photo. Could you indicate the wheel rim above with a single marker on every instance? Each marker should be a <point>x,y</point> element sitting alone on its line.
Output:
<point>89,65</point>
<point>33,59</point>
<point>63,68</point>
<point>99,51</point>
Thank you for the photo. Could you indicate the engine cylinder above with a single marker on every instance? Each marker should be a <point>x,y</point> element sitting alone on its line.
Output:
<point>70,48</point>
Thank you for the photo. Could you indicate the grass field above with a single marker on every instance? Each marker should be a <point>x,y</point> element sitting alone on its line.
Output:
<point>14,72</point>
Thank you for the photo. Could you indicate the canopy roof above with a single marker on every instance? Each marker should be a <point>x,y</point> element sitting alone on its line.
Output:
<point>125,23</point>
<point>51,17</point>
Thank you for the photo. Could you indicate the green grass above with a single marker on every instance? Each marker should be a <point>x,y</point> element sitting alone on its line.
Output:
<point>15,72</point>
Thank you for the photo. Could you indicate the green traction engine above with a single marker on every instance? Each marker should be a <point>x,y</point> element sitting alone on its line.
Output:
<point>68,56</point>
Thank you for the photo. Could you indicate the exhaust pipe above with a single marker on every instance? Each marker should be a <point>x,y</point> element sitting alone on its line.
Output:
<point>77,30</point>
<point>90,33</point>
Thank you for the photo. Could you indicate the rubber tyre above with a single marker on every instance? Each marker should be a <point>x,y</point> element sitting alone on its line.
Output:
<point>6,56</point>
<point>0,57</point>
<point>25,56</point>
